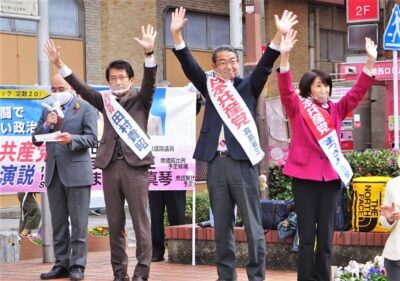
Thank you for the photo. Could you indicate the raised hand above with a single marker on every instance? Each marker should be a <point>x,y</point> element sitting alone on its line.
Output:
<point>371,48</point>
<point>387,211</point>
<point>178,20</point>
<point>288,41</point>
<point>148,37</point>
<point>53,52</point>
<point>286,22</point>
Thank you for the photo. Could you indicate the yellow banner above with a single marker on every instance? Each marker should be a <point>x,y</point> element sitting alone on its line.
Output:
<point>23,94</point>
<point>367,200</point>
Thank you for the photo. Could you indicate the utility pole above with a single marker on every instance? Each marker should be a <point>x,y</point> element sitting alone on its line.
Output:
<point>253,17</point>
<point>236,29</point>
<point>43,79</point>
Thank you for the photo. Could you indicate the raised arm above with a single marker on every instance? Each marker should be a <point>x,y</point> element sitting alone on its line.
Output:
<point>85,91</point>
<point>189,65</point>
<point>264,67</point>
<point>150,68</point>
<point>286,90</point>
<point>351,100</point>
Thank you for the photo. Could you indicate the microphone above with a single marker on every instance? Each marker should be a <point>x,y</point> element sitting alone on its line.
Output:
<point>52,127</point>
<point>56,106</point>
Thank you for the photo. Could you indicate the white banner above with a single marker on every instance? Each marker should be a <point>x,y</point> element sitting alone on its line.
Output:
<point>236,116</point>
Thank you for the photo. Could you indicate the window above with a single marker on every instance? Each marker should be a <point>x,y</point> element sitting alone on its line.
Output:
<point>203,31</point>
<point>219,31</point>
<point>332,45</point>
<point>63,20</point>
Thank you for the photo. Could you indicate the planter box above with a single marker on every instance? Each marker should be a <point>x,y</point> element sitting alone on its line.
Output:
<point>29,250</point>
<point>347,245</point>
<point>98,243</point>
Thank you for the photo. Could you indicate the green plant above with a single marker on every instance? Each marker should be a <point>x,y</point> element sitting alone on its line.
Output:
<point>98,231</point>
<point>370,271</point>
<point>280,186</point>
<point>36,239</point>
<point>364,163</point>
<point>202,207</point>
<point>373,163</point>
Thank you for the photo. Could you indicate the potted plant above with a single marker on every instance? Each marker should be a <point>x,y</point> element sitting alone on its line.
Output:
<point>370,271</point>
<point>98,239</point>
<point>30,247</point>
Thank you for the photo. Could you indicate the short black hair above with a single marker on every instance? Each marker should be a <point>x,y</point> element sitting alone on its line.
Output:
<point>119,64</point>
<point>223,48</point>
<point>309,78</point>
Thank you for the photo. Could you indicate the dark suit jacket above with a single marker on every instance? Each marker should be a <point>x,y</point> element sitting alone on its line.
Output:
<point>249,89</point>
<point>74,166</point>
<point>137,103</point>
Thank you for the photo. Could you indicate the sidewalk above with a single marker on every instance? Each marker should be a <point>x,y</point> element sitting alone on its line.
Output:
<point>99,269</point>
<point>9,221</point>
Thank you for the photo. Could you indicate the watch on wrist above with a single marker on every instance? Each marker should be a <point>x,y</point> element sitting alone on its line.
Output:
<point>148,54</point>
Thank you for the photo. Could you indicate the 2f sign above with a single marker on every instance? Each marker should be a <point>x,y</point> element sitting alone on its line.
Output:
<point>362,10</point>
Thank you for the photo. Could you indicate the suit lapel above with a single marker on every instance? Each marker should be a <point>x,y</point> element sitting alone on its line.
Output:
<point>132,94</point>
<point>68,113</point>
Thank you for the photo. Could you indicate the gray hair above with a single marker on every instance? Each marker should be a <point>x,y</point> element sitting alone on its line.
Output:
<point>223,48</point>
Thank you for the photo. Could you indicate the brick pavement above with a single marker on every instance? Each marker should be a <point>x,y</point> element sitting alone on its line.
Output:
<point>99,268</point>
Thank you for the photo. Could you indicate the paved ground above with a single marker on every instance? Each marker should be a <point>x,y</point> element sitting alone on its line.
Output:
<point>99,269</point>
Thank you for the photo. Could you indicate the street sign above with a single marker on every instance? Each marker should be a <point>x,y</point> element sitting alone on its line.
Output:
<point>391,38</point>
<point>362,10</point>
<point>27,8</point>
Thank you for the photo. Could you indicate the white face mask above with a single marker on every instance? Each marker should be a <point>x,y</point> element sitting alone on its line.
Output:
<point>62,97</point>
<point>120,92</point>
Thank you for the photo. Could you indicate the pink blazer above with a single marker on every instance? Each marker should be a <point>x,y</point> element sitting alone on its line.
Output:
<point>306,159</point>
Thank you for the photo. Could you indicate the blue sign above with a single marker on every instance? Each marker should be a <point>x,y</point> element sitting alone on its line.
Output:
<point>391,38</point>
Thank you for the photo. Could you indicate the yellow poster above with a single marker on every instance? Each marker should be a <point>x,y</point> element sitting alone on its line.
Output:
<point>367,199</point>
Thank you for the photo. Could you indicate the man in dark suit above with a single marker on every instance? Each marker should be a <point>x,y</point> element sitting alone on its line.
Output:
<point>125,170</point>
<point>232,174</point>
<point>68,178</point>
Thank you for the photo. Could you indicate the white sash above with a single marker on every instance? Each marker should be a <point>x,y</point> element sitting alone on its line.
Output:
<point>236,116</point>
<point>323,129</point>
<point>127,128</point>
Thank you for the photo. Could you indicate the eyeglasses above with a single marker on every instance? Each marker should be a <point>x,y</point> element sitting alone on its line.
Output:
<point>224,63</point>
<point>114,79</point>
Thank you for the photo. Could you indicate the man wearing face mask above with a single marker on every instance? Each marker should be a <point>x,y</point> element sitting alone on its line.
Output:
<point>124,153</point>
<point>68,177</point>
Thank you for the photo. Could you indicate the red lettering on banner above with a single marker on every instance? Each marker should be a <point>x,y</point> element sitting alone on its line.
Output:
<point>232,109</point>
<point>240,119</point>
<point>107,103</point>
<point>25,152</point>
<point>218,87</point>
<point>7,150</point>
<point>225,97</point>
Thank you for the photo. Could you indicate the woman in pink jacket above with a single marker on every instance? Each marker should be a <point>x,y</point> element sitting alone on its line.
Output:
<point>315,161</point>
